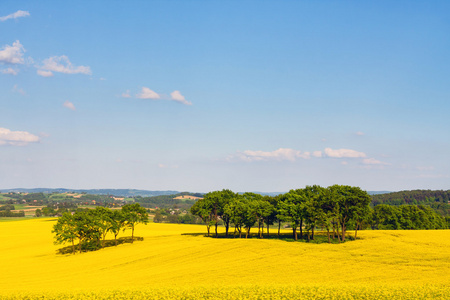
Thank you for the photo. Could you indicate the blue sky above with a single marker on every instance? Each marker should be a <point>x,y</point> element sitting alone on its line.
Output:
<point>204,95</point>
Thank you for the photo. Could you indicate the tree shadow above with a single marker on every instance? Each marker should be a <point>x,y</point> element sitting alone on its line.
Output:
<point>319,237</point>
<point>108,243</point>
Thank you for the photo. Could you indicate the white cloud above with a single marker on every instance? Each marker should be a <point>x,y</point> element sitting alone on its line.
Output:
<point>62,64</point>
<point>373,161</point>
<point>126,94</point>
<point>317,153</point>
<point>360,133</point>
<point>44,73</point>
<point>10,71</point>
<point>343,153</point>
<point>17,14</point>
<point>69,105</point>
<point>19,90</point>
<point>278,155</point>
<point>16,138</point>
<point>176,96</point>
<point>147,93</point>
<point>12,54</point>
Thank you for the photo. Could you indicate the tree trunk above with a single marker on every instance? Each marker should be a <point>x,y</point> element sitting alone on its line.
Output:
<point>328,234</point>
<point>73,247</point>
<point>312,233</point>
<point>343,232</point>
<point>115,238</point>
<point>132,234</point>
<point>268,229</point>
<point>337,232</point>
<point>227,225</point>
<point>295,233</point>
<point>208,228</point>
<point>301,231</point>
<point>279,227</point>
<point>216,228</point>
<point>262,230</point>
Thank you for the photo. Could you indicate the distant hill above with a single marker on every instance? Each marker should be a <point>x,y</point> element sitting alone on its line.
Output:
<point>439,200</point>
<point>115,192</point>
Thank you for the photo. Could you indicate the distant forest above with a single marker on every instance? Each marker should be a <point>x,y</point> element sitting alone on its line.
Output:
<point>438,200</point>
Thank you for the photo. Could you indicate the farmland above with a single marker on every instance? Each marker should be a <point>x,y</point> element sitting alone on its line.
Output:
<point>178,261</point>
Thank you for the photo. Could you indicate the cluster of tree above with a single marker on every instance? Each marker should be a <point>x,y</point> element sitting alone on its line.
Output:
<point>407,217</point>
<point>90,227</point>
<point>7,207</point>
<point>166,215</point>
<point>6,211</point>
<point>52,210</point>
<point>333,208</point>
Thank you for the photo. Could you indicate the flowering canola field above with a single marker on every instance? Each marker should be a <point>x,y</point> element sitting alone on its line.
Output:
<point>177,262</point>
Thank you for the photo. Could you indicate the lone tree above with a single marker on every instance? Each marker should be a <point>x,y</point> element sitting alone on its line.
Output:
<point>134,214</point>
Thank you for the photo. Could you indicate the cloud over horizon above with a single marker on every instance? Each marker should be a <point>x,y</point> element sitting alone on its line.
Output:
<point>17,138</point>
<point>288,154</point>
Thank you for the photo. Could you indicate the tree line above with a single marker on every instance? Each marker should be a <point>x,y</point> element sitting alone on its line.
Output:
<point>90,227</point>
<point>334,209</point>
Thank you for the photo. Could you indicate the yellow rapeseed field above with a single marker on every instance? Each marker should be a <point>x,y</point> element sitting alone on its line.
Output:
<point>173,262</point>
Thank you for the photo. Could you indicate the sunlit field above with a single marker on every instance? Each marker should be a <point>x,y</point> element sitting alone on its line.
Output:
<point>174,262</point>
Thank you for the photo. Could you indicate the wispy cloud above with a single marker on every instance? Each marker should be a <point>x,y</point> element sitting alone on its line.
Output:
<point>373,161</point>
<point>278,155</point>
<point>287,154</point>
<point>61,64</point>
<point>44,73</point>
<point>19,90</point>
<point>147,93</point>
<point>343,153</point>
<point>126,94</point>
<point>10,71</point>
<point>176,96</point>
<point>17,138</point>
<point>69,105</point>
<point>17,14</point>
<point>359,133</point>
<point>12,54</point>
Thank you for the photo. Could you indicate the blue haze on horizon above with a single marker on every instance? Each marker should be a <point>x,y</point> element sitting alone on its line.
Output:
<point>205,95</point>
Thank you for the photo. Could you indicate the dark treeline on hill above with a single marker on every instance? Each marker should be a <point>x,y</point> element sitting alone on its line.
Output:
<point>89,227</point>
<point>166,201</point>
<point>438,200</point>
<point>334,209</point>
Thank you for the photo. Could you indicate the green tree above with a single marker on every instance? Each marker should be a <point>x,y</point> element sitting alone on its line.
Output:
<point>65,230</point>
<point>134,214</point>
<point>118,223</point>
